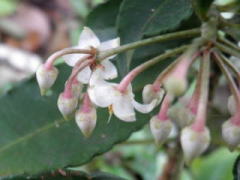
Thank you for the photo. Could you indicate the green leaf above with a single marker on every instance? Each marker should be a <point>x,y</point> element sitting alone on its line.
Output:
<point>236,169</point>
<point>138,19</point>
<point>217,165</point>
<point>65,175</point>
<point>201,8</point>
<point>103,18</point>
<point>36,138</point>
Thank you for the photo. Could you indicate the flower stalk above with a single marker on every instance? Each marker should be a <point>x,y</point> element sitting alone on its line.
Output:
<point>156,39</point>
<point>56,55</point>
<point>131,75</point>
<point>199,123</point>
<point>232,84</point>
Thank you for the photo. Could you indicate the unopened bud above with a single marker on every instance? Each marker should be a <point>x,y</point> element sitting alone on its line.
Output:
<point>231,105</point>
<point>181,115</point>
<point>149,94</point>
<point>160,129</point>
<point>231,134</point>
<point>86,121</point>
<point>67,105</point>
<point>175,85</point>
<point>194,142</point>
<point>46,78</point>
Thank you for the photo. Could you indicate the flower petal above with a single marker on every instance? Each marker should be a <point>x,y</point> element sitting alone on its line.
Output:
<point>88,38</point>
<point>84,75</point>
<point>145,108</point>
<point>72,59</point>
<point>109,71</point>
<point>123,108</point>
<point>106,45</point>
<point>100,92</point>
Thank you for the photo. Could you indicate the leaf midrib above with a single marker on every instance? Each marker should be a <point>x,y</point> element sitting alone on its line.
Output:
<point>32,134</point>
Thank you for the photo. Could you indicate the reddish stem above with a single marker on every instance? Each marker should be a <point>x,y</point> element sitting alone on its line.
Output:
<point>163,115</point>
<point>68,88</point>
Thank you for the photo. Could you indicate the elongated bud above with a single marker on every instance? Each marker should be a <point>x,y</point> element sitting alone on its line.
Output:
<point>175,85</point>
<point>67,105</point>
<point>46,78</point>
<point>181,115</point>
<point>194,142</point>
<point>86,121</point>
<point>160,129</point>
<point>86,117</point>
<point>149,94</point>
<point>231,105</point>
<point>231,134</point>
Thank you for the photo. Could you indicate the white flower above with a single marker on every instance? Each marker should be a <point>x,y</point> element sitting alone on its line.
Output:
<point>67,105</point>
<point>87,40</point>
<point>46,78</point>
<point>149,94</point>
<point>160,129</point>
<point>105,94</point>
<point>194,143</point>
<point>231,134</point>
<point>86,121</point>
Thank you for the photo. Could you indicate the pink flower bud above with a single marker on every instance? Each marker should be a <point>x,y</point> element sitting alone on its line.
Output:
<point>231,105</point>
<point>150,93</point>
<point>67,105</point>
<point>46,78</point>
<point>231,134</point>
<point>160,129</point>
<point>86,121</point>
<point>175,85</point>
<point>194,142</point>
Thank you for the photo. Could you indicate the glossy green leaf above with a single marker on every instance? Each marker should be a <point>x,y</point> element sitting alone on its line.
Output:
<point>103,19</point>
<point>138,19</point>
<point>36,138</point>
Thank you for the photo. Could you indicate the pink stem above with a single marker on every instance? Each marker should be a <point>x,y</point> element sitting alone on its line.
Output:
<point>68,88</point>
<point>123,85</point>
<point>163,115</point>
<point>49,63</point>
<point>199,123</point>
<point>177,68</point>
<point>194,101</point>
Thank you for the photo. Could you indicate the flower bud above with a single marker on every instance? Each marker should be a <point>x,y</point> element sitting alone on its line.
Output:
<point>160,129</point>
<point>46,78</point>
<point>231,105</point>
<point>231,134</point>
<point>181,115</point>
<point>67,105</point>
<point>194,142</point>
<point>86,121</point>
<point>175,85</point>
<point>149,94</point>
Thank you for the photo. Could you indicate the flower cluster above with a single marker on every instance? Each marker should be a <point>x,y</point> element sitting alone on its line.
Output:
<point>87,70</point>
<point>91,74</point>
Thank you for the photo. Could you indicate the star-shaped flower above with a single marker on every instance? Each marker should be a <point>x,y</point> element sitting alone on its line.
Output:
<point>88,40</point>
<point>105,94</point>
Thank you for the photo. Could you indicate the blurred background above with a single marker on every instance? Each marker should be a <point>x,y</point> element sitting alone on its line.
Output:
<point>30,30</point>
